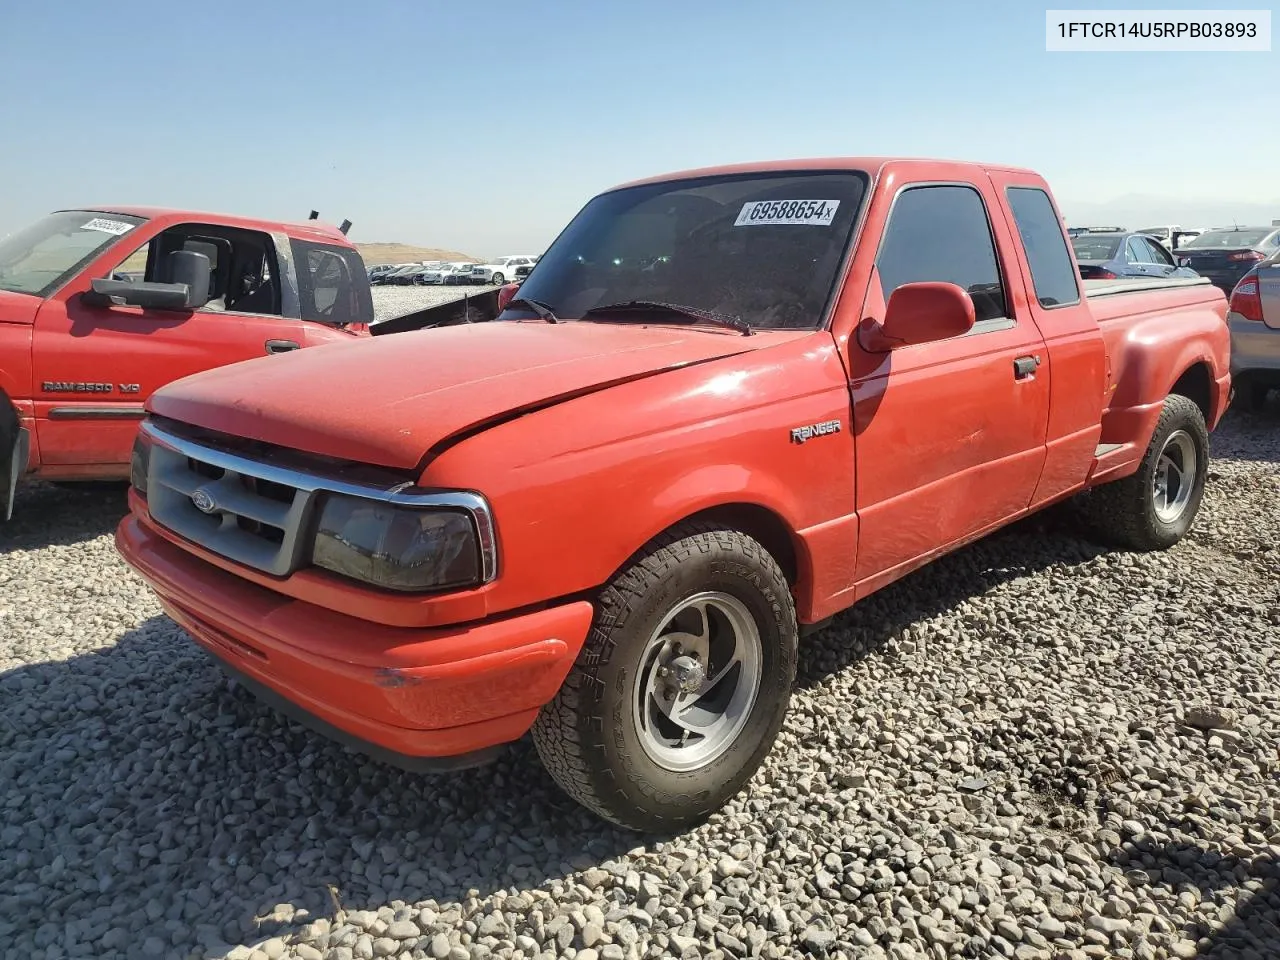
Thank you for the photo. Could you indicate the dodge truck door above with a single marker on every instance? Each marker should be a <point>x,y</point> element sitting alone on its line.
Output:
<point>95,366</point>
<point>950,435</point>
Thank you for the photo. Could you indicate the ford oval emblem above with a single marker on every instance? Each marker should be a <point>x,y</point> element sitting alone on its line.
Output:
<point>203,501</point>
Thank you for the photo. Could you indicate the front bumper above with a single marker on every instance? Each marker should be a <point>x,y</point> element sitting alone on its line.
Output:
<point>418,698</point>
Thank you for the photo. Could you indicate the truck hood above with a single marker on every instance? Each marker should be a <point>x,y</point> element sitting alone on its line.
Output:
<point>18,307</point>
<point>390,400</point>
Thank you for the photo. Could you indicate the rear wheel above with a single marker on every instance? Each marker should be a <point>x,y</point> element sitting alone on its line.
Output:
<point>1153,508</point>
<point>682,685</point>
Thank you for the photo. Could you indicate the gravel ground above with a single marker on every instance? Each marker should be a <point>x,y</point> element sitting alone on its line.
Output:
<point>1032,749</point>
<point>391,302</point>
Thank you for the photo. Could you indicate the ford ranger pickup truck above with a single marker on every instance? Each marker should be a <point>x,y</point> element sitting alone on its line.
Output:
<point>99,307</point>
<point>725,405</point>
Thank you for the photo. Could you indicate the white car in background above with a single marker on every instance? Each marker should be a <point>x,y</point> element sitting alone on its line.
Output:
<point>447,273</point>
<point>500,270</point>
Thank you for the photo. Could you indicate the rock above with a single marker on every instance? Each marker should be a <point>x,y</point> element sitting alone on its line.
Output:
<point>682,944</point>
<point>407,930</point>
<point>1207,717</point>
<point>1051,927</point>
<point>592,934</point>
<point>440,946</point>
<point>1107,925</point>
<point>817,939</point>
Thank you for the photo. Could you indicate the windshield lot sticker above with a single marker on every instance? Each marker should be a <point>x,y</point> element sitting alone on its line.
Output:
<point>811,213</point>
<point>103,225</point>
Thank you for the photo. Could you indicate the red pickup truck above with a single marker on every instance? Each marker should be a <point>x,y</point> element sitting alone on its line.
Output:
<point>724,406</point>
<point>99,307</point>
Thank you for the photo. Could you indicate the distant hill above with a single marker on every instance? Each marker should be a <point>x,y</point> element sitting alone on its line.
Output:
<point>375,253</point>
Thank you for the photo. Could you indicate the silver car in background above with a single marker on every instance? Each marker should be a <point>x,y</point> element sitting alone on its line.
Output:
<point>1254,319</point>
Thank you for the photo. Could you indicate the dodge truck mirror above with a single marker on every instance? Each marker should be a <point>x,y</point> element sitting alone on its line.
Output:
<point>192,270</point>
<point>150,296</point>
<point>188,291</point>
<point>920,313</point>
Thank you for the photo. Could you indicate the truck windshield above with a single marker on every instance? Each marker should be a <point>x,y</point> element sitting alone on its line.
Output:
<point>764,247</point>
<point>40,258</point>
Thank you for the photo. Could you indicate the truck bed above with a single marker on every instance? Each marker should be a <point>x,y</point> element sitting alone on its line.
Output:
<point>1110,288</point>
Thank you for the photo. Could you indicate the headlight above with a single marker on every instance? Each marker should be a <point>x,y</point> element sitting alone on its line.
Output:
<point>139,463</point>
<point>399,548</point>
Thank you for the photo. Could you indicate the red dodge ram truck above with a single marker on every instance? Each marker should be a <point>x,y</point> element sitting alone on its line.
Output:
<point>724,406</point>
<point>98,307</point>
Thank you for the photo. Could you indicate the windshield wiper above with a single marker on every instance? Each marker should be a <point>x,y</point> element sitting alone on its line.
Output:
<point>537,306</point>
<point>695,313</point>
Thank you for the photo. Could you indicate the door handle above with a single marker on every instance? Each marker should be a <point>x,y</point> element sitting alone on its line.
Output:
<point>281,346</point>
<point>1024,367</point>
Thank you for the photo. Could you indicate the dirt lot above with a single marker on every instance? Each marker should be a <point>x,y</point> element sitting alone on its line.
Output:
<point>1034,748</point>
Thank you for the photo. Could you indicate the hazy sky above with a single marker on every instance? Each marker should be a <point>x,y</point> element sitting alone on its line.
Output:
<point>484,126</point>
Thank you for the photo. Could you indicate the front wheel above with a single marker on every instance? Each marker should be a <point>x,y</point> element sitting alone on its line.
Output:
<point>682,685</point>
<point>1153,508</point>
<point>498,279</point>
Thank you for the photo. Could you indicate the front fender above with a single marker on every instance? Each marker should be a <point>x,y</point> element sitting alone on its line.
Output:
<point>579,487</point>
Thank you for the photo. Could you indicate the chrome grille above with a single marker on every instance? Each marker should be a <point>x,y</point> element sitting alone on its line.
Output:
<point>244,517</point>
<point>260,514</point>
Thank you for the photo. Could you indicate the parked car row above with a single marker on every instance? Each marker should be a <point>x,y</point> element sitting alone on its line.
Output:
<point>1169,236</point>
<point>1223,255</point>
<point>436,272</point>
<point>426,273</point>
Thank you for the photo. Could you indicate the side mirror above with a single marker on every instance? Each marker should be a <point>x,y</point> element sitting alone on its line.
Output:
<point>192,269</point>
<point>920,313</point>
<point>505,294</point>
<point>188,291</point>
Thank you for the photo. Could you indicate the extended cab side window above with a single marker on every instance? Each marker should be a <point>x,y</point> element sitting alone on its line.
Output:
<point>332,284</point>
<point>1053,274</point>
<point>941,233</point>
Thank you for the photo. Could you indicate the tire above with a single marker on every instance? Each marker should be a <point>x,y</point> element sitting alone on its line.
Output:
<point>1128,512</point>
<point>498,279</point>
<point>601,738</point>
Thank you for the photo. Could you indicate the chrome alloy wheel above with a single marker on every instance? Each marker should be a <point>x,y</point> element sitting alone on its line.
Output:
<point>1175,476</point>
<point>698,681</point>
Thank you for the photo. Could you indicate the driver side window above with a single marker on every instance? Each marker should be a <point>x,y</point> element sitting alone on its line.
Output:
<point>241,262</point>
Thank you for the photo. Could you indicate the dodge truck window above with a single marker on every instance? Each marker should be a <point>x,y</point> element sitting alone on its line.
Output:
<point>40,258</point>
<point>766,248</point>
<point>1052,273</point>
<point>942,233</point>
